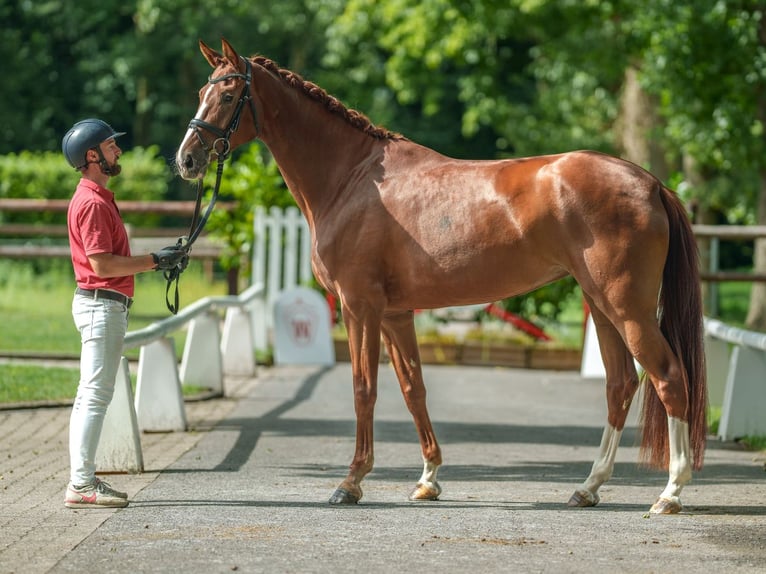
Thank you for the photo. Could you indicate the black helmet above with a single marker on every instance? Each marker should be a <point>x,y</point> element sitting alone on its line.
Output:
<point>85,135</point>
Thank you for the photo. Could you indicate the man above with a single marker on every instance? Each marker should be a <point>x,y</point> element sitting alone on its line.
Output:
<point>104,270</point>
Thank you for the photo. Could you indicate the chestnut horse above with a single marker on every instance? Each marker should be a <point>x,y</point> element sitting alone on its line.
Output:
<point>396,226</point>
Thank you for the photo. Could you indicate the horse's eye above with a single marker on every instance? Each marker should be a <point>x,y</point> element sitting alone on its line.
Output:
<point>227,98</point>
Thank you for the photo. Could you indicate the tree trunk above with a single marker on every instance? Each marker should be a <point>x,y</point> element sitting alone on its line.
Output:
<point>703,216</point>
<point>638,120</point>
<point>232,280</point>
<point>636,126</point>
<point>756,316</point>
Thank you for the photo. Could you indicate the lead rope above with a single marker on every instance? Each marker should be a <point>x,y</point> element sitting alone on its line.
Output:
<point>186,242</point>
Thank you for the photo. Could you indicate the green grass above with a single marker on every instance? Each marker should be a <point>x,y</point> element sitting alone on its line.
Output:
<point>22,383</point>
<point>39,306</point>
<point>734,302</point>
<point>36,314</point>
<point>27,383</point>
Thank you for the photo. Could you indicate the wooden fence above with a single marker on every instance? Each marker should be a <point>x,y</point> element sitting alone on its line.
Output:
<point>142,239</point>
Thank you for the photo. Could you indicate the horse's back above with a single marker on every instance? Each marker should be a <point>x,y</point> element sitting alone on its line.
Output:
<point>443,231</point>
<point>543,203</point>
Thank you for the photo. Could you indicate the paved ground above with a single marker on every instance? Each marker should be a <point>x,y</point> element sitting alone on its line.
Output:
<point>246,490</point>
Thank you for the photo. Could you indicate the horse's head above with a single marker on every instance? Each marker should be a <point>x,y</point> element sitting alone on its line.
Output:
<point>224,102</point>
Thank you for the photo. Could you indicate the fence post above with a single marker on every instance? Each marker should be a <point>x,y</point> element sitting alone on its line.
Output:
<point>159,400</point>
<point>291,220</point>
<point>237,343</point>
<point>592,366</point>
<point>274,273</point>
<point>715,248</point>
<point>201,364</point>
<point>260,307</point>
<point>717,358</point>
<point>119,449</point>
<point>744,402</point>
<point>259,246</point>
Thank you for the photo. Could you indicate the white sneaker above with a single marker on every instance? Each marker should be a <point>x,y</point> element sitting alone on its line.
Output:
<point>94,495</point>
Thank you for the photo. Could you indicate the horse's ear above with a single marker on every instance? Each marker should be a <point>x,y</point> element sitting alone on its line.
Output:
<point>230,53</point>
<point>212,57</point>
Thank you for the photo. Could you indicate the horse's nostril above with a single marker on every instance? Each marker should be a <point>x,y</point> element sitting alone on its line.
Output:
<point>188,161</point>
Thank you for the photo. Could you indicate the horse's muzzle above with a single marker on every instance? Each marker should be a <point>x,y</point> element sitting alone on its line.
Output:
<point>191,165</point>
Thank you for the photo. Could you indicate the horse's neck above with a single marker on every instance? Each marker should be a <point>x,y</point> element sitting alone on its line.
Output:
<point>315,150</point>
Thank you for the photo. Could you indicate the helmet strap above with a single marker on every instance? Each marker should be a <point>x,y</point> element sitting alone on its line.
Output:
<point>106,169</point>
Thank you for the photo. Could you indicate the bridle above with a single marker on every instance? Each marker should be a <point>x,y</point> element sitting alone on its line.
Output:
<point>223,137</point>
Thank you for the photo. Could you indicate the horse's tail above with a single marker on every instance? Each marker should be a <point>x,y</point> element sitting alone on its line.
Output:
<point>681,324</point>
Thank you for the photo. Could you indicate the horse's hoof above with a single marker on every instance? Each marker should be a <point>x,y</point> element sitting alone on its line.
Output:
<point>666,506</point>
<point>426,492</point>
<point>583,499</point>
<point>343,496</point>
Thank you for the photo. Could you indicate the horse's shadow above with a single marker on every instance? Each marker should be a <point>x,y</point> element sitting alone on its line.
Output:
<point>250,429</point>
<point>446,503</point>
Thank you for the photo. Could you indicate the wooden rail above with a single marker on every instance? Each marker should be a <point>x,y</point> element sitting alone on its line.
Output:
<point>730,232</point>
<point>203,249</point>
<point>60,206</point>
<point>60,230</point>
<point>142,239</point>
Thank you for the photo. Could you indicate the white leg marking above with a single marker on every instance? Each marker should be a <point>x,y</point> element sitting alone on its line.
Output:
<point>601,471</point>
<point>428,478</point>
<point>680,469</point>
<point>604,463</point>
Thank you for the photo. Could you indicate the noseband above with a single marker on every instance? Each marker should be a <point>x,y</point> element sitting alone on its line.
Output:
<point>223,136</point>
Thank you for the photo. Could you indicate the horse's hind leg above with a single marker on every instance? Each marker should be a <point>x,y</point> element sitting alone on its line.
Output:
<point>666,374</point>
<point>399,337</point>
<point>621,386</point>
<point>644,339</point>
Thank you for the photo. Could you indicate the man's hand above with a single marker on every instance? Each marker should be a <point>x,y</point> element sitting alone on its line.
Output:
<point>171,257</point>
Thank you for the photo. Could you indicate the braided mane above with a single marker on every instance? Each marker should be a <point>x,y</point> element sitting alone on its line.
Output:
<point>332,104</point>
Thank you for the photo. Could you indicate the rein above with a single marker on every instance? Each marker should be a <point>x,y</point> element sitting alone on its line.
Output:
<point>223,137</point>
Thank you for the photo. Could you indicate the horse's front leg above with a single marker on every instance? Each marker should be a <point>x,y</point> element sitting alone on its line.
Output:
<point>401,342</point>
<point>364,346</point>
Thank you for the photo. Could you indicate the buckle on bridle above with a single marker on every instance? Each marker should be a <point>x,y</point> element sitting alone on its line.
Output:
<point>226,147</point>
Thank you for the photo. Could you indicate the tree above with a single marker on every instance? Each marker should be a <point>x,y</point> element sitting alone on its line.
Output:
<point>707,67</point>
<point>133,62</point>
<point>53,54</point>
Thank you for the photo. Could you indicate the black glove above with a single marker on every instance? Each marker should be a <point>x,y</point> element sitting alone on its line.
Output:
<point>171,257</point>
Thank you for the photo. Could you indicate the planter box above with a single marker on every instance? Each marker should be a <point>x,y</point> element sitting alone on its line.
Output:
<point>482,353</point>
<point>440,353</point>
<point>485,354</point>
<point>343,355</point>
<point>555,359</point>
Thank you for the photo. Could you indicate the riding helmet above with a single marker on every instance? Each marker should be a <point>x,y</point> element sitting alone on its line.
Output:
<point>85,135</point>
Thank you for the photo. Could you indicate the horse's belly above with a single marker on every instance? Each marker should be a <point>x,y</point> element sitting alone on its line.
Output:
<point>434,282</point>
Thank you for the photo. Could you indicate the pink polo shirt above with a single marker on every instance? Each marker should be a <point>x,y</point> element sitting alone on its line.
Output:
<point>95,226</point>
